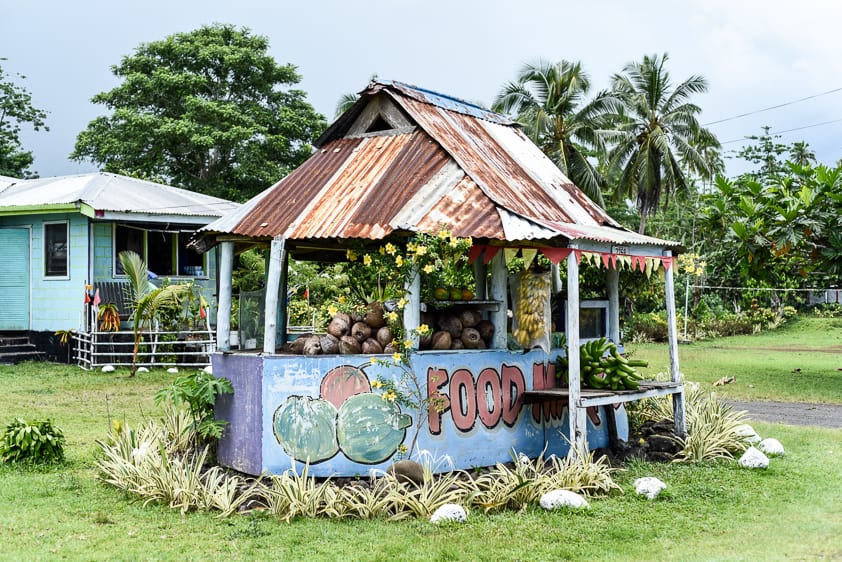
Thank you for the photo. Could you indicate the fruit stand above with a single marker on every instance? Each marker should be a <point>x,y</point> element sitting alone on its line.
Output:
<point>466,384</point>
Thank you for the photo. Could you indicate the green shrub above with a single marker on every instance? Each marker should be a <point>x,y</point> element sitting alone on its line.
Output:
<point>38,441</point>
<point>198,391</point>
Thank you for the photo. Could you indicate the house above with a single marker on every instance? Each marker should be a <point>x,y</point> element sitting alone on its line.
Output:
<point>59,234</point>
<point>404,160</point>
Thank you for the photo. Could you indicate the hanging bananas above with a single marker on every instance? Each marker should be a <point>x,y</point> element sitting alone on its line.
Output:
<point>531,308</point>
<point>602,367</point>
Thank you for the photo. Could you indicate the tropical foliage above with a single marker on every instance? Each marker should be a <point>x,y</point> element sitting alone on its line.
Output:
<point>16,109</point>
<point>208,110</point>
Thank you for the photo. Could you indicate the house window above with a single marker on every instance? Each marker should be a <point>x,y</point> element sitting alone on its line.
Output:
<point>165,251</point>
<point>55,249</point>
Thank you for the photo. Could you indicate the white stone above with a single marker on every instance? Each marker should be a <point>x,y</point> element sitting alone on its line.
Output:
<point>772,447</point>
<point>649,486</point>
<point>172,370</point>
<point>747,432</point>
<point>449,512</point>
<point>522,459</point>
<point>108,369</point>
<point>563,498</point>
<point>208,370</point>
<point>142,370</point>
<point>753,458</point>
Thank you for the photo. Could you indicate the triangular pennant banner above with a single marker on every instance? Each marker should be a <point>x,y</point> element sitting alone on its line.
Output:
<point>578,254</point>
<point>555,255</point>
<point>475,252</point>
<point>528,255</point>
<point>490,252</point>
<point>650,265</point>
<point>614,261</point>
<point>510,253</point>
<point>667,262</point>
<point>638,262</point>
<point>606,260</point>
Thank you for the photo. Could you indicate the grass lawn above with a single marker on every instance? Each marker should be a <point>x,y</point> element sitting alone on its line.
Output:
<point>712,511</point>
<point>799,362</point>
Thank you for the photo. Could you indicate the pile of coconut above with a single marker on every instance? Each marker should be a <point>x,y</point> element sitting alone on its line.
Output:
<point>370,334</point>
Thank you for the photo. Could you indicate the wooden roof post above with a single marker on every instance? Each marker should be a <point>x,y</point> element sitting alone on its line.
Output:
<point>612,280</point>
<point>575,415</point>
<point>277,260</point>
<point>480,273</point>
<point>499,317</point>
<point>223,313</point>
<point>412,310</point>
<point>672,334</point>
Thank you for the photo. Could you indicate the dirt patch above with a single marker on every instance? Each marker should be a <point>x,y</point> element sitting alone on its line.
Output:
<point>783,348</point>
<point>792,413</point>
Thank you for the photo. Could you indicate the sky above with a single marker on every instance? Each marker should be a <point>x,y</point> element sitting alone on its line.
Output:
<point>755,54</point>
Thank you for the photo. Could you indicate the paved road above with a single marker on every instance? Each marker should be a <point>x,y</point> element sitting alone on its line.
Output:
<point>792,413</point>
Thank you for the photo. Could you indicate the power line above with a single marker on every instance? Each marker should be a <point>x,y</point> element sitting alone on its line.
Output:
<point>741,115</point>
<point>788,130</point>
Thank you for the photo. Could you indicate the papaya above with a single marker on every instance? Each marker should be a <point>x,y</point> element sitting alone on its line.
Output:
<point>305,428</point>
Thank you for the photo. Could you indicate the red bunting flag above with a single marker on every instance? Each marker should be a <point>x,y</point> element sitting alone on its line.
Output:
<point>555,255</point>
<point>475,252</point>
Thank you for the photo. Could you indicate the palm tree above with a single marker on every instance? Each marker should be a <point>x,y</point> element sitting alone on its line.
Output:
<point>548,100</point>
<point>146,298</point>
<point>801,154</point>
<point>657,127</point>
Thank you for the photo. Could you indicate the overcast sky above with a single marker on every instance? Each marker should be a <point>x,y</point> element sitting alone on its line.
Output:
<point>755,54</point>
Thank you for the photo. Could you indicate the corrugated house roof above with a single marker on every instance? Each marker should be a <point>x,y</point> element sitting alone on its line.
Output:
<point>107,193</point>
<point>426,159</point>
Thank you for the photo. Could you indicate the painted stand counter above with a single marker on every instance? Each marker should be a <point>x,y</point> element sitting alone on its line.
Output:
<point>288,409</point>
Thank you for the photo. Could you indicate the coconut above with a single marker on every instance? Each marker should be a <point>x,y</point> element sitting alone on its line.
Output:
<point>372,347</point>
<point>456,343</point>
<point>297,345</point>
<point>313,346</point>
<point>361,331</point>
<point>355,317</point>
<point>486,330</point>
<point>349,345</point>
<point>384,336</point>
<point>329,343</point>
<point>374,316</point>
<point>390,349</point>
<point>470,338</point>
<point>339,326</point>
<point>470,318</point>
<point>450,323</point>
<point>441,340</point>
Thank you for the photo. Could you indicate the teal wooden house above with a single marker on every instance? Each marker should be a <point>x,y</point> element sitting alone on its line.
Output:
<point>59,234</point>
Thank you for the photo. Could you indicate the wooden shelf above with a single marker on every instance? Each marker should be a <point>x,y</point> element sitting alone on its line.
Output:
<point>478,304</point>
<point>592,397</point>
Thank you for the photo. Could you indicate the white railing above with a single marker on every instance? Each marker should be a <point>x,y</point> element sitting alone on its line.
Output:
<point>191,348</point>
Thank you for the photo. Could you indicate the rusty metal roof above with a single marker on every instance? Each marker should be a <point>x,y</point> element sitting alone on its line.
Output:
<point>459,165</point>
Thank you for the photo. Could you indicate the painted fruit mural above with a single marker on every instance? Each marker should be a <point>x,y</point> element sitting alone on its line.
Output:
<point>369,429</point>
<point>342,382</point>
<point>305,428</point>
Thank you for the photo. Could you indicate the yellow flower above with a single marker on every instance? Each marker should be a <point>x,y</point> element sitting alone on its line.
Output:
<point>454,241</point>
<point>376,384</point>
<point>342,299</point>
<point>444,233</point>
<point>332,310</point>
<point>399,261</point>
<point>367,259</point>
<point>401,448</point>
<point>392,316</point>
<point>410,247</point>
<point>390,396</point>
<point>423,330</point>
<point>407,344</point>
<point>421,250</point>
<point>396,357</point>
<point>382,251</point>
<point>429,268</point>
<point>402,303</point>
<point>390,249</point>
<point>351,255</point>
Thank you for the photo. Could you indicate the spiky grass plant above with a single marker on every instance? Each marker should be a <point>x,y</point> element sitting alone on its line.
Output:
<point>293,494</point>
<point>579,473</point>
<point>711,424</point>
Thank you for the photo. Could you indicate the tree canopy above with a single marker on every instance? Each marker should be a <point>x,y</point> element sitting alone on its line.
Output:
<point>16,109</point>
<point>208,110</point>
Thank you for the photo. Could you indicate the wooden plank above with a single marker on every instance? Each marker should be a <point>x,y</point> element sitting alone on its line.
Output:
<point>273,284</point>
<point>223,312</point>
<point>576,418</point>
<point>498,293</point>
<point>672,334</point>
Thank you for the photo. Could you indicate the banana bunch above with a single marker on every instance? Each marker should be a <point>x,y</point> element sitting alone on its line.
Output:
<point>602,367</point>
<point>532,299</point>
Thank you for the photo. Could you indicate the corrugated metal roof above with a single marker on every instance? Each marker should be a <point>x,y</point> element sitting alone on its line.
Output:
<point>113,193</point>
<point>462,166</point>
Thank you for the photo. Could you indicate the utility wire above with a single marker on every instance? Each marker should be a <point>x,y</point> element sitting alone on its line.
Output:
<point>741,115</point>
<point>788,130</point>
